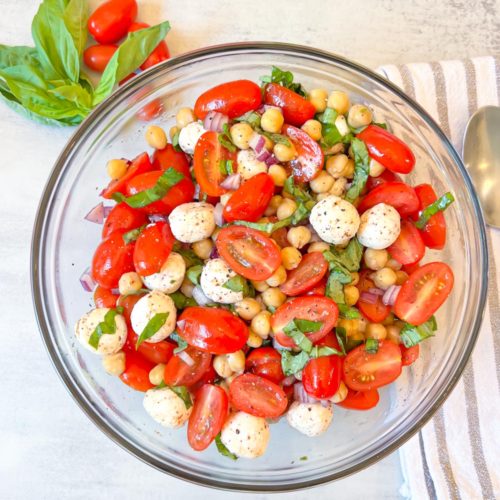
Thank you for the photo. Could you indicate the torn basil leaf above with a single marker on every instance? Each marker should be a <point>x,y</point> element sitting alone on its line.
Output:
<point>297,192</point>
<point>371,346</point>
<point>361,169</point>
<point>133,234</point>
<point>293,363</point>
<point>183,393</point>
<point>222,449</point>
<point>181,301</point>
<point>285,79</point>
<point>105,327</point>
<point>240,284</point>
<point>190,258</point>
<point>225,139</point>
<point>348,312</point>
<point>330,134</point>
<point>252,118</point>
<point>154,324</point>
<point>412,335</point>
<point>348,257</point>
<point>439,205</point>
<point>193,274</point>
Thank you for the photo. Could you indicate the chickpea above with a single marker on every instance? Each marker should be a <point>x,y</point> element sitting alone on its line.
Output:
<point>172,132</point>
<point>114,364</point>
<point>376,168</point>
<point>286,209</point>
<point>203,248</point>
<point>401,277</point>
<point>260,286</point>
<point>272,120</point>
<point>384,278</point>
<point>359,116</point>
<point>322,183</point>
<point>336,164</point>
<point>375,259</point>
<point>394,264</point>
<point>273,297</point>
<point>284,153</point>
<point>241,133</point>
<point>116,168</point>
<point>221,366</point>
<point>354,278</point>
<point>278,174</point>
<point>278,277</point>
<point>273,205</point>
<point>375,331</point>
<point>253,340</point>
<point>187,288</point>
<point>351,326</point>
<point>184,117</point>
<point>299,236</point>
<point>341,393</point>
<point>348,169</point>
<point>247,308</point>
<point>236,361</point>
<point>393,333</point>
<point>290,258</point>
<point>339,101</point>
<point>313,129</point>
<point>351,294</point>
<point>129,282</point>
<point>318,246</point>
<point>339,186</point>
<point>156,374</point>
<point>156,137</point>
<point>261,324</point>
<point>318,98</point>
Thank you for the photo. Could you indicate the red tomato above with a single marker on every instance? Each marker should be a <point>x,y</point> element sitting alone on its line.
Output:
<point>306,275</point>
<point>159,54</point>
<point>265,362</point>
<point>387,149</point>
<point>123,217</point>
<point>128,302</point>
<point>112,258</point>
<point>397,194</point>
<point>314,308</point>
<point>97,57</point>
<point>248,252</point>
<point>424,292</point>
<point>319,289</point>
<point>231,98</point>
<point>296,109</point>
<point>151,110</point>
<point>177,372</point>
<point>409,247</point>
<point>212,329</point>
<point>409,354</point>
<point>111,20</point>
<point>321,376</point>
<point>209,377</point>
<point>104,297</point>
<point>168,157</point>
<point>385,176</point>
<point>309,161</point>
<point>360,400</point>
<point>250,200</point>
<point>152,248</point>
<point>209,413</point>
<point>136,373</point>
<point>364,371</point>
<point>157,352</point>
<point>376,312</point>
<point>257,396</point>
<point>410,268</point>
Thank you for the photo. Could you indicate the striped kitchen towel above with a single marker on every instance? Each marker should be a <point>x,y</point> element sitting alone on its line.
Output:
<point>457,454</point>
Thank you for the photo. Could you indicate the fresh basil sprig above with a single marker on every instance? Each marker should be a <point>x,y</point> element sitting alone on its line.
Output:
<point>412,335</point>
<point>361,169</point>
<point>105,327</point>
<point>153,325</point>
<point>439,205</point>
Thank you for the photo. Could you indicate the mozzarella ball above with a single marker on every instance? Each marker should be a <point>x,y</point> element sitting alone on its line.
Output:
<point>248,165</point>
<point>164,406</point>
<point>214,275</point>
<point>245,435</point>
<point>189,135</point>
<point>335,220</point>
<point>147,307</point>
<point>170,277</point>
<point>109,343</point>
<point>192,222</point>
<point>379,227</point>
<point>309,419</point>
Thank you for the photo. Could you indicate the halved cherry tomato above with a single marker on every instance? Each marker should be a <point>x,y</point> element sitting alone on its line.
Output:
<point>296,109</point>
<point>104,297</point>
<point>111,20</point>
<point>309,161</point>
<point>159,54</point>
<point>360,400</point>
<point>397,194</point>
<point>257,396</point>
<point>306,275</point>
<point>209,377</point>
<point>320,309</point>
<point>410,268</point>
<point>136,374</point>
<point>231,98</point>
<point>248,252</point>
<point>319,289</point>
<point>409,247</point>
<point>157,352</point>
<point>123,217</point>
<point>151,110</point>
<point>424,292</point>
<point>177,372</point>
<point>387,149</point>
<point>168,157</point>
<point>209,413</point>
<point>364,371</point>
<point>212,329</point>
<point>409,354</point>
<point>321,376</point>
<point>250,200</point>
<point>385,176</point>
<point>376,312</point>
<point>128,302</point>
<point>97,57</point>
<point>265,362</point>
<point>112,258</point>
<point>152,248</point>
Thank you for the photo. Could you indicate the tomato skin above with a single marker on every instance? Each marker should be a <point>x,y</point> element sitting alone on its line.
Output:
<point>111,20</point>
<point>168,157</point>
<point>360,400</point>
<point>387,149</point>
<point>385,176</point>
<point>157,352</point>
<point>310,158</point>
<point>296,109</point>
<point>319,289</point>
<point>123,217</point>
<point>313,308</point>
<point>210,411</point>
<point>152,248</point>
<point>248,252</point>
<point>179,373</point>
<point>321,376</point>
<point>209,377</point>
<point>128,302</point>
<point>250,200</point>
<point>211,329</point>
<point>104,297</point>
<point>231,98</point>
<point>423,293</point>
<point>397,194</point>
<point>257,396</point>
<point>136,374</point>
<point>377,312</point>
<point>97,57</point>
<point>409,354</point>
<point>306,275</point>
<point>159,54</point>
<point>409,247</point>
<point>265,362</point>
<point>366,371</point>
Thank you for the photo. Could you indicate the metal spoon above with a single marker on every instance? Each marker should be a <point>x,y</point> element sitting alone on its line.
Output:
<point>482,159</point>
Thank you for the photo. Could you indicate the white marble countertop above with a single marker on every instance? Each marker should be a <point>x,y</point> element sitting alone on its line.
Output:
<point>48,448</point>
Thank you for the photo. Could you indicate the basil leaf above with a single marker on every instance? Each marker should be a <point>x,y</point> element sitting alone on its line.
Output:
<point>293,363</point>
<point>75,18</point>
<point>298,193</point>
<point>334,289</point>
<point>175,141</point>
<point>193,274</point>
<point>320,351</point>
<point>439,205</point>
<point>296,329</point>
<point>412,335</point>
<point>361,169</point>
<point>348,312</point>
<point>183,393</point>
<point>133,234</point>
<point>181,343</point>
<point>307,326</point>
<point>181,301</point>
<point>190,258</point>
<point>330,134</point>
<point>18,56</point>
<point>137,292</point>
<point>222,449</point>
<point>348,257</point>
<point>154,324</point>
<point>371,346</point>
<point>285,79</point>
<point>225,139</point>
<point>76,94</point>
<point>161,385</point>
<point>106,327</point>
<point>381,125</point>
<point>236,283</point>
<point>276,138</point>
<point>251,117</point>
<point>340,339</point>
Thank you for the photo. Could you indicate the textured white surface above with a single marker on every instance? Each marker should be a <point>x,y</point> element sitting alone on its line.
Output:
<point>48,448</point>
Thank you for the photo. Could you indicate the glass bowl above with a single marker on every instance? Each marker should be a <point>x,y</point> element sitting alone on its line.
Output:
<point>63,244</point>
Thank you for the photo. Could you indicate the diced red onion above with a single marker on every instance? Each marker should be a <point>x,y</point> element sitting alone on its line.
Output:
<point>264,156</point>
<point>280,347</point>
<point>87,281</point>
<point>214,254</point>
<point>368,297</point>
<point>257,143</point>
<point>200,297</point>
<point>196,191</point>
<point>289,380</point>
<point>219,219</point>
<point>215,121</point>
<point>270,160</point>
<point>376,291</point>
<point>115,291</point>
<point>107,211</point>
<point>186,358</point>
<point>390,295</point>
<point>300,395</point>
<point>157,218</point>
<point>96,215</point>
<point>231,182</point>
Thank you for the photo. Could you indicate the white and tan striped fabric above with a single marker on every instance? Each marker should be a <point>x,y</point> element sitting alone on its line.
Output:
<point>457,454</point>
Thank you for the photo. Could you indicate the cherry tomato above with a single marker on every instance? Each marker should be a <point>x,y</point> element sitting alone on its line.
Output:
<point>409,247</point>
<point>257,396</point>
<point>209,377</point>
<point>248,252</point>
<point>151,110</point>
<point>296,109</point>
<point>387,149</point>
<point>321,376</point>
<point>360,400</point>
<point>385,176</point>
<point>97,57</point>
<point>136,374</point>
<point>424,292</point>
<point>159,54</point>
<point>250,200</point>
<point>177,372</point>
<point>128,302</point>
<point>309,161</point>
<point>123,217</point>
<point>231,98</point>
<point>212,329</point>
<point>364,371</point>
<point>397,194</point>
<point>265,362</point>
<point>157,352</point>
<point>306,275</point>
<point>209,413</point>
<point>152,248</point>
<point>104,297</point>
<point>168,157</point>
<point>377,311</point>
<point>410,268</point>
<point>319,289</point>
<point>409,354</point>
<point>320,309</point>
<point>112,258</point>
<point>111,20</point>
